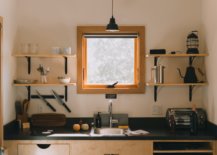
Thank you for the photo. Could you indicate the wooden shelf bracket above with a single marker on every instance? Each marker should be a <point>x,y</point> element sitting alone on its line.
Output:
<point>28,64</point>
<point>66,64</point>
<point>155,93</point>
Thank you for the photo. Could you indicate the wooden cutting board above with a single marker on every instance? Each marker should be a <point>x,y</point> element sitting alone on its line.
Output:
<point>48,120</point>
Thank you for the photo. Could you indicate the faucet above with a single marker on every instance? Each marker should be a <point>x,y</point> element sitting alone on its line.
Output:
<point>110,113</point>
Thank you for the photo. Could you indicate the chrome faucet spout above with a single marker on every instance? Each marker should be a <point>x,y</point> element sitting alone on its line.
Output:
<point>110,113</point>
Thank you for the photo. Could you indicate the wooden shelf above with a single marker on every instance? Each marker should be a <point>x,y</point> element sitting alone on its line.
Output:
<point>177,55</point>
<point>175,84</point>
<point>183,151</point>
<point>30,56</point>
<point>44,55</point>
<point>45,84</point>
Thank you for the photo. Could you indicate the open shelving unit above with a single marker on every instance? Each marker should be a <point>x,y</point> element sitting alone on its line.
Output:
<point>190,85</point>
<point>29,85</point>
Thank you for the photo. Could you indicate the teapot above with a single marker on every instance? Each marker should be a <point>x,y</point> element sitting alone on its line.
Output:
<point>190,75</point>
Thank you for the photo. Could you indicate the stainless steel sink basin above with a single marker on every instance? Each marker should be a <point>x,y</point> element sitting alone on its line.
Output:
<point>69,135</point>
<point>107,132</point>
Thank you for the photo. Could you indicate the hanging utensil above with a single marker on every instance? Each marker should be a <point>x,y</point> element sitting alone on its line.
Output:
<point>60,101</point>
<point>45,101</point>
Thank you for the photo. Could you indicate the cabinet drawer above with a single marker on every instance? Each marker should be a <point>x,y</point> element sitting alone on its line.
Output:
<point>111,147</point>
<point>43,149</point>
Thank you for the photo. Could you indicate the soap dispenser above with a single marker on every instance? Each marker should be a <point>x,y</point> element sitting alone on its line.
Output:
<point>98,121</point>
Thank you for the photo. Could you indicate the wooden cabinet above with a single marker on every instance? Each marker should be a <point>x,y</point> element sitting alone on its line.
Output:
<point>43,149</point>
<point>38,147</point>
<point>112,147</point>
<point>109,147</point>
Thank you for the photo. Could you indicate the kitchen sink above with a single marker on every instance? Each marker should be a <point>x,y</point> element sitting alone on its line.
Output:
<point>68,135</point>
<point>98,132</point>
<point>107,132</point>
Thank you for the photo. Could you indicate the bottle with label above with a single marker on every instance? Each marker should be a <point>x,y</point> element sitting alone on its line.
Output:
<point>98,121</point>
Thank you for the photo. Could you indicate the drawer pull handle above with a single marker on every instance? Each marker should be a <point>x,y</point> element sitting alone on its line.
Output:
<point>111,154</point>
<point>43,146</point>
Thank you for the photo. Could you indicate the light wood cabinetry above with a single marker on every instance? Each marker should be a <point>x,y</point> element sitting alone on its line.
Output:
<point>81,147</point>
<point>107,147</point>
<point>38,147</point>
<point>112,147</point>
<point>43,149</point>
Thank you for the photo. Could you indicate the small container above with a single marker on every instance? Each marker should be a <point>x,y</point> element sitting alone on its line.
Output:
<point>157,74</point>
<point>98,121</point>
<point>64,80</point>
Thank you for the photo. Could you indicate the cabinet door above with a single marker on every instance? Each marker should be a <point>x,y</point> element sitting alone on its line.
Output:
<point>108,147</point>
<point>43,149</point>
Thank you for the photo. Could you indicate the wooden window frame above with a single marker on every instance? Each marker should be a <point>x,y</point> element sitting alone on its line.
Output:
<point>1,106</point>
<point>138,88</point>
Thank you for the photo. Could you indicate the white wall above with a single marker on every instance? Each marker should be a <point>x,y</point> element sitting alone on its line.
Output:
<point>209,21</point>
<point>8,12</point>
<point>53,23</point>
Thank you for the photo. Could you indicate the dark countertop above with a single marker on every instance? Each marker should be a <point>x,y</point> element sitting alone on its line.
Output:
<point>155,126</point>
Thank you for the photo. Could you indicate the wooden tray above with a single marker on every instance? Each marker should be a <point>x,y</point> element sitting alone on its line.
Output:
<point>48,120</point>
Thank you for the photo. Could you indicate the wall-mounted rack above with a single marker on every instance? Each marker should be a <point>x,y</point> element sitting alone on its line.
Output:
<point>28,87</point>
<point>30,56</point>
<point>190,85</point>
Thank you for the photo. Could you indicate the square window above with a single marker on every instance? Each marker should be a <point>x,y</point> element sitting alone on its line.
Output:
<point>110,60</point>
<point>104,58</point>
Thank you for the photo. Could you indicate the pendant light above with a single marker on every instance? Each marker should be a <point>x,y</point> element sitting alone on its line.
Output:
<point>112,26</point>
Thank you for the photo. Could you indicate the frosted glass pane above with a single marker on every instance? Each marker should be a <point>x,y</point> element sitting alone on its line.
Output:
<point>110,60</point>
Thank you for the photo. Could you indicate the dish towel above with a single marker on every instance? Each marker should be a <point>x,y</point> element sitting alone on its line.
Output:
<point>137,133</point>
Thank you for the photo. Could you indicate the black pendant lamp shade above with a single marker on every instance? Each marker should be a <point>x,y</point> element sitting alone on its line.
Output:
<point>112,26</point>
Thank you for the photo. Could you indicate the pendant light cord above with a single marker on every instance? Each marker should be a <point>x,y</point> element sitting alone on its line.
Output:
<point>112,8</point>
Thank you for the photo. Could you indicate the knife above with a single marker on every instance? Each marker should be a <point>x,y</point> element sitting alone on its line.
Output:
<point>61,101</point>
<point>45,101</point>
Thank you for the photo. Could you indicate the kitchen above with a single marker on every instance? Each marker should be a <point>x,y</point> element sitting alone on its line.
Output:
<point>167,24</point>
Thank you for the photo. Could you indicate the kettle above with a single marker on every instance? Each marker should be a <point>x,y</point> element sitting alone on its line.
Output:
<point>190,75</point>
